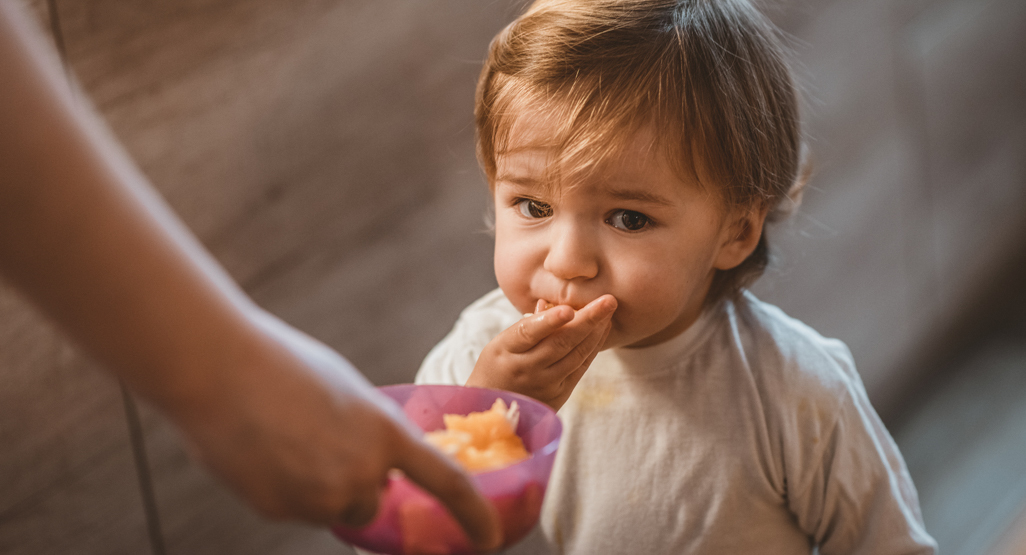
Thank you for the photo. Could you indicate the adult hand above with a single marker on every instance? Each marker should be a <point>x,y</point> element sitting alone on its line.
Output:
<point>545,354</point>
<point>299,433</point>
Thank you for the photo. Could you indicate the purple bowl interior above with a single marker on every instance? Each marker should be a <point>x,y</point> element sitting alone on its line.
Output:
<point>411,520</point>
<point>426,404</point>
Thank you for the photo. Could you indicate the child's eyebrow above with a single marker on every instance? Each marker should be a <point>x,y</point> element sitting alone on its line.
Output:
<point>521,180</point>
<point>640,196</point>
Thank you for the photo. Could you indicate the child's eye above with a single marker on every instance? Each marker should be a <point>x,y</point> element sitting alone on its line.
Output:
<point>533,209</point>
<point>628,220</point>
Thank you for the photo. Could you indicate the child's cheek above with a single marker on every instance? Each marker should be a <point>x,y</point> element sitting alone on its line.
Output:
<point>648,306</point>
<point>514,280</point>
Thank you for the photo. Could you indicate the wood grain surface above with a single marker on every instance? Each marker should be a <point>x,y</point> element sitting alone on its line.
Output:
<point>67,478</point>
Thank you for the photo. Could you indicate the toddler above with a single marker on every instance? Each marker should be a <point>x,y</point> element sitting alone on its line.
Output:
<point>635,149</point>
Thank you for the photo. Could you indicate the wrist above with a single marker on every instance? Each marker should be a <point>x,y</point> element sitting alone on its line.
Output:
<point>204,377</point>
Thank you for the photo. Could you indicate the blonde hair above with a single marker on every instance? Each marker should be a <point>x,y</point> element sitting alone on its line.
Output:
<point>709,75</point>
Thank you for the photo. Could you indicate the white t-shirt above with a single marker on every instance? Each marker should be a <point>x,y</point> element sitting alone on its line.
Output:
<point>748,433</point>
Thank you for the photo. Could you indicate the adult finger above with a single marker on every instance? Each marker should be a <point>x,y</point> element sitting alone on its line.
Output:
<point>441,477</point>
<point>531,330</point>
<point>362,508</point>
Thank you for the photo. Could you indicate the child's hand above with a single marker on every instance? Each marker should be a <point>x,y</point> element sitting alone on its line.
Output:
<point>545,354</point>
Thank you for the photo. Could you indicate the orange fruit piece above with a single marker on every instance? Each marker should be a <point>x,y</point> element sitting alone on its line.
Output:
<point>482,441</point>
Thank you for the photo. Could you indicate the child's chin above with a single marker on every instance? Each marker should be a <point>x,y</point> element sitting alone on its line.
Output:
<point>635,342</point>
<point>616,341</point>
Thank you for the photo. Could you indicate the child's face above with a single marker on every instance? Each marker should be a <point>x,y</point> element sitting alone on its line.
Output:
<point>632,229</point>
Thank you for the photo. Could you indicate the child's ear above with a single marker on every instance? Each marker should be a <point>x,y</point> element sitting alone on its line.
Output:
<point>740,237</point>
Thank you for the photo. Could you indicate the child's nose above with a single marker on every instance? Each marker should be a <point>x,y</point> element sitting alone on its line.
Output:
<point>572,253</point>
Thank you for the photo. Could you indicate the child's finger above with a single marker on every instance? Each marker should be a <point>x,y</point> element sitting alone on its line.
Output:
<point>570,382</point>
<point>583,353</point>
<point>600,309</point>
<point>586,321</point>
<point>529,331</point>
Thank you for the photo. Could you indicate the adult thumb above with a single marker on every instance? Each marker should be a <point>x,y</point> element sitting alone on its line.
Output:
<point>443,478</point>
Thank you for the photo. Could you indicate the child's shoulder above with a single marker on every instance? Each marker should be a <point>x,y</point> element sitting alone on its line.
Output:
<point>788,358</point>
<point>452,360</point>
<point>486,317</point>
<point>803,385</point>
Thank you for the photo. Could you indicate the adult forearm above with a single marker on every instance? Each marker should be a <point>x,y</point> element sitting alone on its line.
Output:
<point>83,235</point>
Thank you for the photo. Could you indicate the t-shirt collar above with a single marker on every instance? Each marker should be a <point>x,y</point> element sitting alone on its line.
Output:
<point>670,351</point>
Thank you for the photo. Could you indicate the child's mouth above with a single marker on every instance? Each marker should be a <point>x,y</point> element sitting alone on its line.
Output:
<point>545,304</point>
<point>541,305</point>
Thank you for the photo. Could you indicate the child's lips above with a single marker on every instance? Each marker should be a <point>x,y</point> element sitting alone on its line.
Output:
<point>545,304</point>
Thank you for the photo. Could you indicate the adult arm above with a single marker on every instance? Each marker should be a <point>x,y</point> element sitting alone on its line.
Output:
<point>287,422</point>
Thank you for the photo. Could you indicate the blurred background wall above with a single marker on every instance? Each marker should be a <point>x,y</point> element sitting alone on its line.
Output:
<point>323,151</point>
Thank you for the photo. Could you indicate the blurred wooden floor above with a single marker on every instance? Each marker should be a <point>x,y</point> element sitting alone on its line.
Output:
<point>964,438</point>
<point>323,151</point>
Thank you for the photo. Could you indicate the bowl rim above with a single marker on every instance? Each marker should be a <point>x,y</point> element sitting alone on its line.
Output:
<point>544,450</point>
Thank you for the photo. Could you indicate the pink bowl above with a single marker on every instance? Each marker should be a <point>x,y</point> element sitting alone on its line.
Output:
<point>410,521</point>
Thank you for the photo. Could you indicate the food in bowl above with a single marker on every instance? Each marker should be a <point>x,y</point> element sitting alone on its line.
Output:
<point>412,522</point>
<point>484,440</point>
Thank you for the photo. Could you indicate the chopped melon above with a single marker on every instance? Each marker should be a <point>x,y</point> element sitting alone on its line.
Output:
<point>482,441</point>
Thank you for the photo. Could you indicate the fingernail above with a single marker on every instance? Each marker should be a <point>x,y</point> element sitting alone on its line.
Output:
<point>608,307</point>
